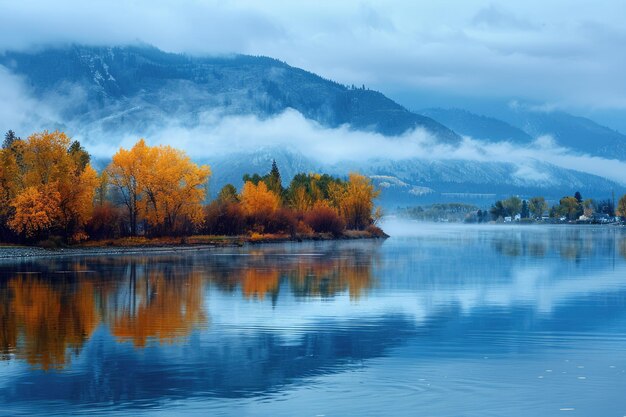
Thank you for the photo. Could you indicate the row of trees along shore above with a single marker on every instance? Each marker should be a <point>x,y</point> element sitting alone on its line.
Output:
<point>569,208</point>
<point>49,190</point>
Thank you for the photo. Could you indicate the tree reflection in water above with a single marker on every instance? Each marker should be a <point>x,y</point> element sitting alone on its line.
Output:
<point>49,308</point>
<point>41,320</point>
<point>573,244</point>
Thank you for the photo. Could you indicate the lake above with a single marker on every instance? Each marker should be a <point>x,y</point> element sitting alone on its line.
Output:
<point>439,320</point>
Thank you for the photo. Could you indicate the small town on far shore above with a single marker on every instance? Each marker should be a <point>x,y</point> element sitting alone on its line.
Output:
<point>536,210</point>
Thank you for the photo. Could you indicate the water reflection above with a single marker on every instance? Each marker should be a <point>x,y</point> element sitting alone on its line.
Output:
<point>572,243</point>
<point>155,303</point>
<point>51,307</point>
<point>257,324</point>
<point>41,321</point>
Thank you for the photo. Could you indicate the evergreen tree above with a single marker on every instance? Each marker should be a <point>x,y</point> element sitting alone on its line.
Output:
<point>498,210</point>
<point>9,139</point>
<point>525,213</point>
<point>273,180</point>
<point>578,197</point>
<point>254,178</point>
<point>79,155</point>
<point>606,207</point>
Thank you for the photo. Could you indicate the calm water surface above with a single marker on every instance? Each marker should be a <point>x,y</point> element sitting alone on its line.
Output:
<point>436,321</point>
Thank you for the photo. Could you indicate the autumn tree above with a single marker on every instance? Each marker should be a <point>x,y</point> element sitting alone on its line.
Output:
<point>223,218</point>
<point>258,203</point>
<point>36,210</point>
<point>48,162</point>
<point>569,207</point>
<point>124,173</point>
<point>355,200</point>
<point>272,180</point>
<point>324,219</point>
<point>537,206</point>
<point>512,205</point>
<point>258,198</point>
<point>11,170</point>
<point>621,206</point>
<point>175,188</point>
<point>160,184</point>
<point>307,189</point>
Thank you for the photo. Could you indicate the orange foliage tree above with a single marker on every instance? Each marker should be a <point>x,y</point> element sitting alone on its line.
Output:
<point>52,185</point>
<point>35,210</point>
<point>124,174</point>
<point>160,184</point>
<point>258,198</point>
<point>175,187</point>
<point>259,204</point>
<point>10,175</point>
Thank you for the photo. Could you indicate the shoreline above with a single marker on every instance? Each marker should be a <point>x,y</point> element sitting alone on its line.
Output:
<point>155,246</point>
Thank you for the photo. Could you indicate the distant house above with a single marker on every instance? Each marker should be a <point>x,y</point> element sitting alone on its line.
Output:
<point>508,219</point>
<point>601,218</point>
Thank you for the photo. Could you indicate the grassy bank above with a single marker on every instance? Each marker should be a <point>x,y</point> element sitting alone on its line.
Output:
<point>140,245</point>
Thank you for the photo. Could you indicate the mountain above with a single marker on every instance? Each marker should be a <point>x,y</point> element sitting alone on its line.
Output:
<point>574,132</point>
<point>418,181</point>
<point>136,88</point>
<point>104,94</point>
<point>476,126</point>
<point>522,125</point>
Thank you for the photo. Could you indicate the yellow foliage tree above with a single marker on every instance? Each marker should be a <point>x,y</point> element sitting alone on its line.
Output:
<point>355,200</point>
<point>621,206</point>
<point>300,200</point>
<point>175,188</point>
<point>161,184</point>
<point>36,210</point>
<point>43,164</point>
<point>10,177</point>
<point>257,199</point>
<point>124,172</point>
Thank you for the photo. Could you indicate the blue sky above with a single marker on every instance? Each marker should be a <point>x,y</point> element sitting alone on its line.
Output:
<point>561,54</point>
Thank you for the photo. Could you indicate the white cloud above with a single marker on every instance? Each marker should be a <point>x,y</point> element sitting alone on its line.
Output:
<point>564,52</point>
<point>18,110</point>
<point>221,135</point>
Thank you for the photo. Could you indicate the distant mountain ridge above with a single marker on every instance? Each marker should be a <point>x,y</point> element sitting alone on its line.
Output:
<point>106,92</point>
<point>523,125</point>
<point>134,87</point>
<point>477,126</point>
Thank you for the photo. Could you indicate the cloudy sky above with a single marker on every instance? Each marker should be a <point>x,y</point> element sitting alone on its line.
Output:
<point>566,54</point>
